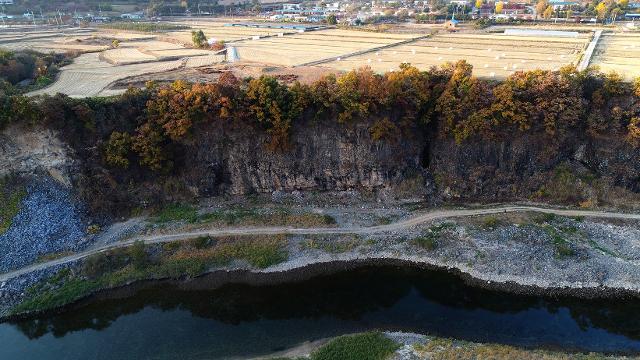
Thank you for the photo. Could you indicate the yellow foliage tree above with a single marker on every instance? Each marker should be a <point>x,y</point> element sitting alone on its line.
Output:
<point>499,7</point>
<point>541,6</point>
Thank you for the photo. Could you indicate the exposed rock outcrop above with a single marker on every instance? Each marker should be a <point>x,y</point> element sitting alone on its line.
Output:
<point>27,151</point>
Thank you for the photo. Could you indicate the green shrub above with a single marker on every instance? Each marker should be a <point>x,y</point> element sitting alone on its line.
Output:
<point>177,212</point>
<point>428,242</point>
<point>490,222</point>
<point>201,242</point>
<point>366,346</point>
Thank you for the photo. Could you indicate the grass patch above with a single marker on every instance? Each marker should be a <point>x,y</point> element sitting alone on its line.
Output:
<point>490,222</point>
<point>428,242</point>
<point>544,218</point>
<point>143,26</point>
<point>430,239</point>
<point>603,249</point>
<point>242,216</point>
<point>441,349</point>
<point>10,199</point>
<point>365,346</point>
<point>53,256</point>
<point>174,260</point>
<point>176,212</point>
<point>561,244</point>
<point>384,220</point>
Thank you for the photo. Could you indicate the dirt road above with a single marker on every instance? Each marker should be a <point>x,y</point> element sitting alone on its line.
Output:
<point>395,226</point>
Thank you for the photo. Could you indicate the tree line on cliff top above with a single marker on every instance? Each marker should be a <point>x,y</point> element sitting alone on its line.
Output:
<point>143,126</point>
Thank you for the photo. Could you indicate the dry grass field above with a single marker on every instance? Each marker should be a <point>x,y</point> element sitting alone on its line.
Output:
<point>619,52</point>
<point>149,50</point>
<point>311,46</point>
<point>218,31</point>
<point>81,40</point>
<point>492,55</point>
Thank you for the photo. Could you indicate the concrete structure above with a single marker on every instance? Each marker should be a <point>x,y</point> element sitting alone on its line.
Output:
<point>586,58</point>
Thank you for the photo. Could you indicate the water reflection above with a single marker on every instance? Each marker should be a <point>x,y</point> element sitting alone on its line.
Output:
<point>381,297</point>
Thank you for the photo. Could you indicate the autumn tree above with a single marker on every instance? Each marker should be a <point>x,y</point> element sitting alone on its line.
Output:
<point>636,87</point>
<point>359,93</point>
<point>117,149</point>
<point>271,103</point>
<point>199,39</point>
<point>541,6</point>
<point>384,129</point>
<point>548,12</point>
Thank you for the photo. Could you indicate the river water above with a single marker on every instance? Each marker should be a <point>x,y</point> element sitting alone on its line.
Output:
<point>237,320</point>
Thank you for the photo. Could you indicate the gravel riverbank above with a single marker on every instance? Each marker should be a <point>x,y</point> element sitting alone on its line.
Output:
<point>49,222</point>
<point>525,253</point>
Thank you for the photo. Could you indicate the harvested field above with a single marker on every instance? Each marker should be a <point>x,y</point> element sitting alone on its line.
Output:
<point>82,40</point>
<point>312,46</point>
<point>207,60</point>
<point>620,53</point>
<point>218,31</point>
<point>88,75</point>
<point>126,56</point>
<point>146,51</point>
<point>492,55</point>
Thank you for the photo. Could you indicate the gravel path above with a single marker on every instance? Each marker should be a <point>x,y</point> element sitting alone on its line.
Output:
<point>395,226</point>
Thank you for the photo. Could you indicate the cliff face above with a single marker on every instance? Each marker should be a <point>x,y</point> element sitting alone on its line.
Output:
<point>321,157</point>
<point>25,151</point>
<point>332,157</point>
<point>535,167</point>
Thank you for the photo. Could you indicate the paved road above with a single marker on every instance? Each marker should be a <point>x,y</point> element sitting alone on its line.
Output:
<point>399,225</point>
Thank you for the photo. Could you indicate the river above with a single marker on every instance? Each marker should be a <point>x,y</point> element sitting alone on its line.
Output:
<point>167,321</point>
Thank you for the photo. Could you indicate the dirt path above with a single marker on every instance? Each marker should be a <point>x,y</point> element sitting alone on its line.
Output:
<point>399,225</point>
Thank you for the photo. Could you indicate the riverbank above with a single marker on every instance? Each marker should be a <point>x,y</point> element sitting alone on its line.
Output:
<point>527,253</point>
<point>411,346</point>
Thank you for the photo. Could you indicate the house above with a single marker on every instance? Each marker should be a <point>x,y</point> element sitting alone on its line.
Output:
<point>562,4</point>
<point>132,16</point>
<point>451,24</point>
<point>333,7</point>
<point>513,9</point>
<point>486,10</point>
<point>291,7</point>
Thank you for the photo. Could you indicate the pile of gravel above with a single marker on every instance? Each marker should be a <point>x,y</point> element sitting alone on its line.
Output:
<point>49,221</point>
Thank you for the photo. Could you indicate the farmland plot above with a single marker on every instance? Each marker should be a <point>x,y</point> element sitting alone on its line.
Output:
<point>619,53</point>
<point>312,46</point>
<point>491,55</point>
<point>88,75</point>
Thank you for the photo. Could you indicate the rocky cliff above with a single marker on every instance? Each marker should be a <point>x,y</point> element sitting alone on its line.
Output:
<point>322,157</point>
<point>216,160</point>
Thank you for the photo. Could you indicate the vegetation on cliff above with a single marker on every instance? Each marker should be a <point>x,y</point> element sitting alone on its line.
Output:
<point>11,195</point>
<point>146,134</point>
